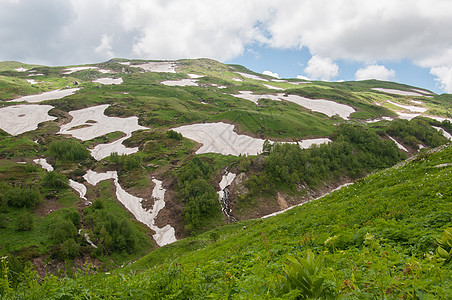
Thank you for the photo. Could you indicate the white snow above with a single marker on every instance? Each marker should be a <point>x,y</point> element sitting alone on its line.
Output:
<point>31,81</point>
<point>103,71</point>
<point>400,146</point>
<point>380,119</point>
<point>79,187</point>
<point>21,69</point>
<point>88,240</point>
<point>107,80</point>
<point>126,63</point>
<point>417,102</point>
<point>76,69</point>
<point>406,116</point>
<point>273,87</point>
<point>398,92</point>
<point>248,95</point>
<point>163,236</point>
<point>102,126</point>
<point>52,95</point>
<point>195,76</point>
<point>44,164</point>
<point>446,134</point>
<point>159,66</point>
<point>409,107</point>
<point>281,211</point>
<point>251,76</point>
<point>279,80</point>
<point>18,119</point>
<point>221,138</point>
<point>327,107</point>
<point>237,79</point>
<point>440,119</point>
<point>422,91</point>
<point>181,82</point>
<point>226,180</point>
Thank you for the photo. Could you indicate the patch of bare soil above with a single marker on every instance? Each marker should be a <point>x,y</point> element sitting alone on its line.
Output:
<point>47,206</point>
<point>172,212</point>
<point>45,265</point>
<point>281,201</point>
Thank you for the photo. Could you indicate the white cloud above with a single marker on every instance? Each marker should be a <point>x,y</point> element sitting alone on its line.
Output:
<point>375,72</point>
<point>444,77</point>
<point>303,77</point>
<point>321,68</point>
<point>105,47</point>
<point>55,31</point>
<point>270,73</point>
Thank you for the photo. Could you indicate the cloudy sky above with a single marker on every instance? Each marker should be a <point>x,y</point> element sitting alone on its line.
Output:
<point>408,41</point>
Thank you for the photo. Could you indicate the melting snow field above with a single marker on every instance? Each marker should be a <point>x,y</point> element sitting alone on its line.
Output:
<point>409,107</point>
<point>159,66</point>
<point>44,164</point>
<point>273,87</point>
<point>76,69</point>
<point>182,82</point>
<point>248,95</point>
<point>226,180</point>
<point>18,119</point>
<point>251,76</point>
<point>102,126</point>
<point>79,187</point>
<point>52,95</point>
<point>107,80</point>
<point>446,134</point>
<point>399,92</point>
<point>400,146</point>
<point>327,107</point>
<point>221,138</point>
<point>162,236</point>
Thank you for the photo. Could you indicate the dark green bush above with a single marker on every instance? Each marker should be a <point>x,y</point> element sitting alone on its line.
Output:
<point>22,197</point>
<point>174,135</point>
<point>55,181</point>
<point>24,222</point>
<point>69,150</point>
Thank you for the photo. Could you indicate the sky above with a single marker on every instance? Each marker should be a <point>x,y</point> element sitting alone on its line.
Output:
<point>407,41</point>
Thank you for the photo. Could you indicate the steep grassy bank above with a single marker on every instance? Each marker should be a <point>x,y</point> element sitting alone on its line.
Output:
<point>376,238</point>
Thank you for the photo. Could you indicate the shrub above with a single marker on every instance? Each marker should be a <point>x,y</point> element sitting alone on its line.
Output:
<point>55,181</point>
<point>22,197</point>
<point>70,150</point>
<point>69,249</point>
<point>174,135</point>
<point>24,222</point>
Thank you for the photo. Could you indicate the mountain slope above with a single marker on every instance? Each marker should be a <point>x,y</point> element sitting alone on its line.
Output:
<point>136,153</point>
<point>376,237</point>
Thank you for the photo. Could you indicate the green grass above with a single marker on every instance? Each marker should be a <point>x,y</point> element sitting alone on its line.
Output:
<point>375,237</point>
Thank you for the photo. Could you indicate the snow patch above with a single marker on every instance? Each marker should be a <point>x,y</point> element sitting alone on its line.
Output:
<point>78,187</point>
<point>409,107</point>
<point>18,119</point>
<point>102,126</point>
<point>76,69</point>
<point>195,76</point>
<point>182,82</point>
<point>397,92</point>
<point>44,164</point>
<point>273,87</point>
<point>251,76</point>
<point>21,69</point>
<point>400,146</point>
<point>446,134</point>
<point>226,180</point>
<point>31,81</point>
<point>159,66</point>
<point>107,80</point>
<point>221,138</point>
<point>52,95</point>
<point>327,107</point>
<point>163,236</point>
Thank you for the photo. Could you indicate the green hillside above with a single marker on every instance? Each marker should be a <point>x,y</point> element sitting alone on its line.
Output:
<point>376,238</point>
<point>119,136</point>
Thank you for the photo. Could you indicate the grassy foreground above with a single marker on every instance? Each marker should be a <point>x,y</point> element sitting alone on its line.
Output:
<point>383,237</point>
